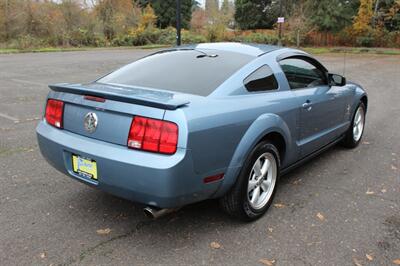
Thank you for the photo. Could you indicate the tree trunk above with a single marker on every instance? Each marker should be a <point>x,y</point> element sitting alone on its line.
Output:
<point>375,13</point>
<point>6,24</point>
<point>326,38</point>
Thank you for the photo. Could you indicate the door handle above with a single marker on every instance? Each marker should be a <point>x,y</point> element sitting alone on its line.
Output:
<point>307,105</point>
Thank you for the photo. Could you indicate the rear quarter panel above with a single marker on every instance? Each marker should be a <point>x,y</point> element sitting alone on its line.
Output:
<point>222,130</point>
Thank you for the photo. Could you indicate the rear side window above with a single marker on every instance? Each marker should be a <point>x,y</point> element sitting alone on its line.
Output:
<point>191,71</point>
<point>262,79</point>
<point>302,74</point>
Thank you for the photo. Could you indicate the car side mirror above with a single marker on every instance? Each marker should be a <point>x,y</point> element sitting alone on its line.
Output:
<point>336,80</point>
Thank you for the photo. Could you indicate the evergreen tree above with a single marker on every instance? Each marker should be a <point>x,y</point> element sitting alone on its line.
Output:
<point>256,14</point>
<point>195,5</point>
<point>165,11</point>
<point>387,13</point>
<point>330,15</point>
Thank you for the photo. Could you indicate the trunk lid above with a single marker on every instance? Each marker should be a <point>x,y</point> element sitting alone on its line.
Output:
<point>148,97</point>
<point>113,116</point>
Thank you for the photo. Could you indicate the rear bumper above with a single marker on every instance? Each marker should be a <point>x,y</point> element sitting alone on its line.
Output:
<point>153,179</point>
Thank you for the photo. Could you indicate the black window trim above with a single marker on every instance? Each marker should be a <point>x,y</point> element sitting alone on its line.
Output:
<point>263,91</point>
<point>308,59</point>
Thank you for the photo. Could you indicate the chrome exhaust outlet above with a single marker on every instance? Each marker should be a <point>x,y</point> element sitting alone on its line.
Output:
<point>156,213</point>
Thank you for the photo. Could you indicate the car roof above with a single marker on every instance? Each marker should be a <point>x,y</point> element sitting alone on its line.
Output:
<point>242,48</point>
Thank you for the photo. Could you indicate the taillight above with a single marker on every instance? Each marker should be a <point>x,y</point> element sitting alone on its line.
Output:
<point>54,112</point>
<point>153,135</point>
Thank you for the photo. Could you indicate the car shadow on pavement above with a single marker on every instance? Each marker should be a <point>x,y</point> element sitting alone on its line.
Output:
<point>94,209</point>
<point>97,205</point>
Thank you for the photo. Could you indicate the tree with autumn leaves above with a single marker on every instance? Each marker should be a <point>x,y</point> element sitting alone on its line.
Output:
<point>376,20</point>
<point>25,23</point>
<point>116,16</point>
<point>363,20</point>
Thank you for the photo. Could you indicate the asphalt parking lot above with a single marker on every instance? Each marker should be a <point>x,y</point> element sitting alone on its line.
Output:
<point>342,208</point>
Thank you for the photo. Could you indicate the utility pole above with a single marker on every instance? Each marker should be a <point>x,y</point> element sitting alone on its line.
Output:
<point>280,24</point>
<point>178,22</point>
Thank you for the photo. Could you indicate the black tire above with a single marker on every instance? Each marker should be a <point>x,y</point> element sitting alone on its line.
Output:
<point>349,140</point>
<point>236,202</point>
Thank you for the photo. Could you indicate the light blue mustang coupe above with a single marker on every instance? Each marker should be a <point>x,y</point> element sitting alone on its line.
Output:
<point>220,120</point>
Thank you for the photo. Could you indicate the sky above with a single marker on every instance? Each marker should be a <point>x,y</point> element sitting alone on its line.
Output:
<point>203,2</point>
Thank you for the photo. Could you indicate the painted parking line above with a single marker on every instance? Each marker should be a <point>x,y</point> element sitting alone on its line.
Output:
<point>29,82</point>
<point>11,118</point>
<point>26,120</point>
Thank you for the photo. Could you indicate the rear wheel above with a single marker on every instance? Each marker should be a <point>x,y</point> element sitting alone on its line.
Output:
<point>355,132</point>
<point>256,185</point>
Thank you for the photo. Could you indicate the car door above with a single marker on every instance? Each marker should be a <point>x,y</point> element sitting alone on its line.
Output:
<point>319,112</point>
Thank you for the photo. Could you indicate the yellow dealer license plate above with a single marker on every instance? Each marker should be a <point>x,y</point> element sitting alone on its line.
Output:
<point>84,166</point>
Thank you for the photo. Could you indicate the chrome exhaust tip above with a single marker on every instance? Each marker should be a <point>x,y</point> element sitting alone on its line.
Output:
<point>155,213</point>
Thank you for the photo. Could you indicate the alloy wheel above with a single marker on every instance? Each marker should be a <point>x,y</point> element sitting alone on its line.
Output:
<point>358,124</point>
<point>262,181</point>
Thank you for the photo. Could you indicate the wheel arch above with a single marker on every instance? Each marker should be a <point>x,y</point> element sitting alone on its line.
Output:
<point>278,140</point>
<point>360,95</point>
<point>266,127</point>
<point>364,100</point>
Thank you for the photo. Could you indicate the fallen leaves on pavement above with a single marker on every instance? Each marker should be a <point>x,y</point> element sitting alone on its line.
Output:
<point>369,192</point>
<point>296,182</point>
<point>357,262</point>
<point>279,205</point>
<point>320,216</point>
<point>267,262</point>
<point>369,257</point>
<point>215,245</point>
<point>105,231</point>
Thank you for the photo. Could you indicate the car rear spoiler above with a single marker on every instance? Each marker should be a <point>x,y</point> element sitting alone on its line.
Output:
<point>148,97</point>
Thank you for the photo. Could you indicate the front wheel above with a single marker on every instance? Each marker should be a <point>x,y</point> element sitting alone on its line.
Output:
<point>256,185</point>
<point>355,132</point>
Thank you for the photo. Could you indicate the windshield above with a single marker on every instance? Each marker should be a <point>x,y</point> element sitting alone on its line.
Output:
<point>188,71</point>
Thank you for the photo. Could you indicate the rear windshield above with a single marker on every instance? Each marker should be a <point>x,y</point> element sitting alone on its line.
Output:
<point>188,71</point>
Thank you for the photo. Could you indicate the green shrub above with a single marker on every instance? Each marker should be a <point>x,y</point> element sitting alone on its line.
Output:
<point>393,39</point>
<point>215,33</point>
<point>365,41</point>
<point>167,36</point>
<point>257,38</point>
<point>81,37</point>
<point>147,36</point>
<point>139,37</point>
<point>189,37</point>
<point>290,39</point>
<point>26,41</point>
